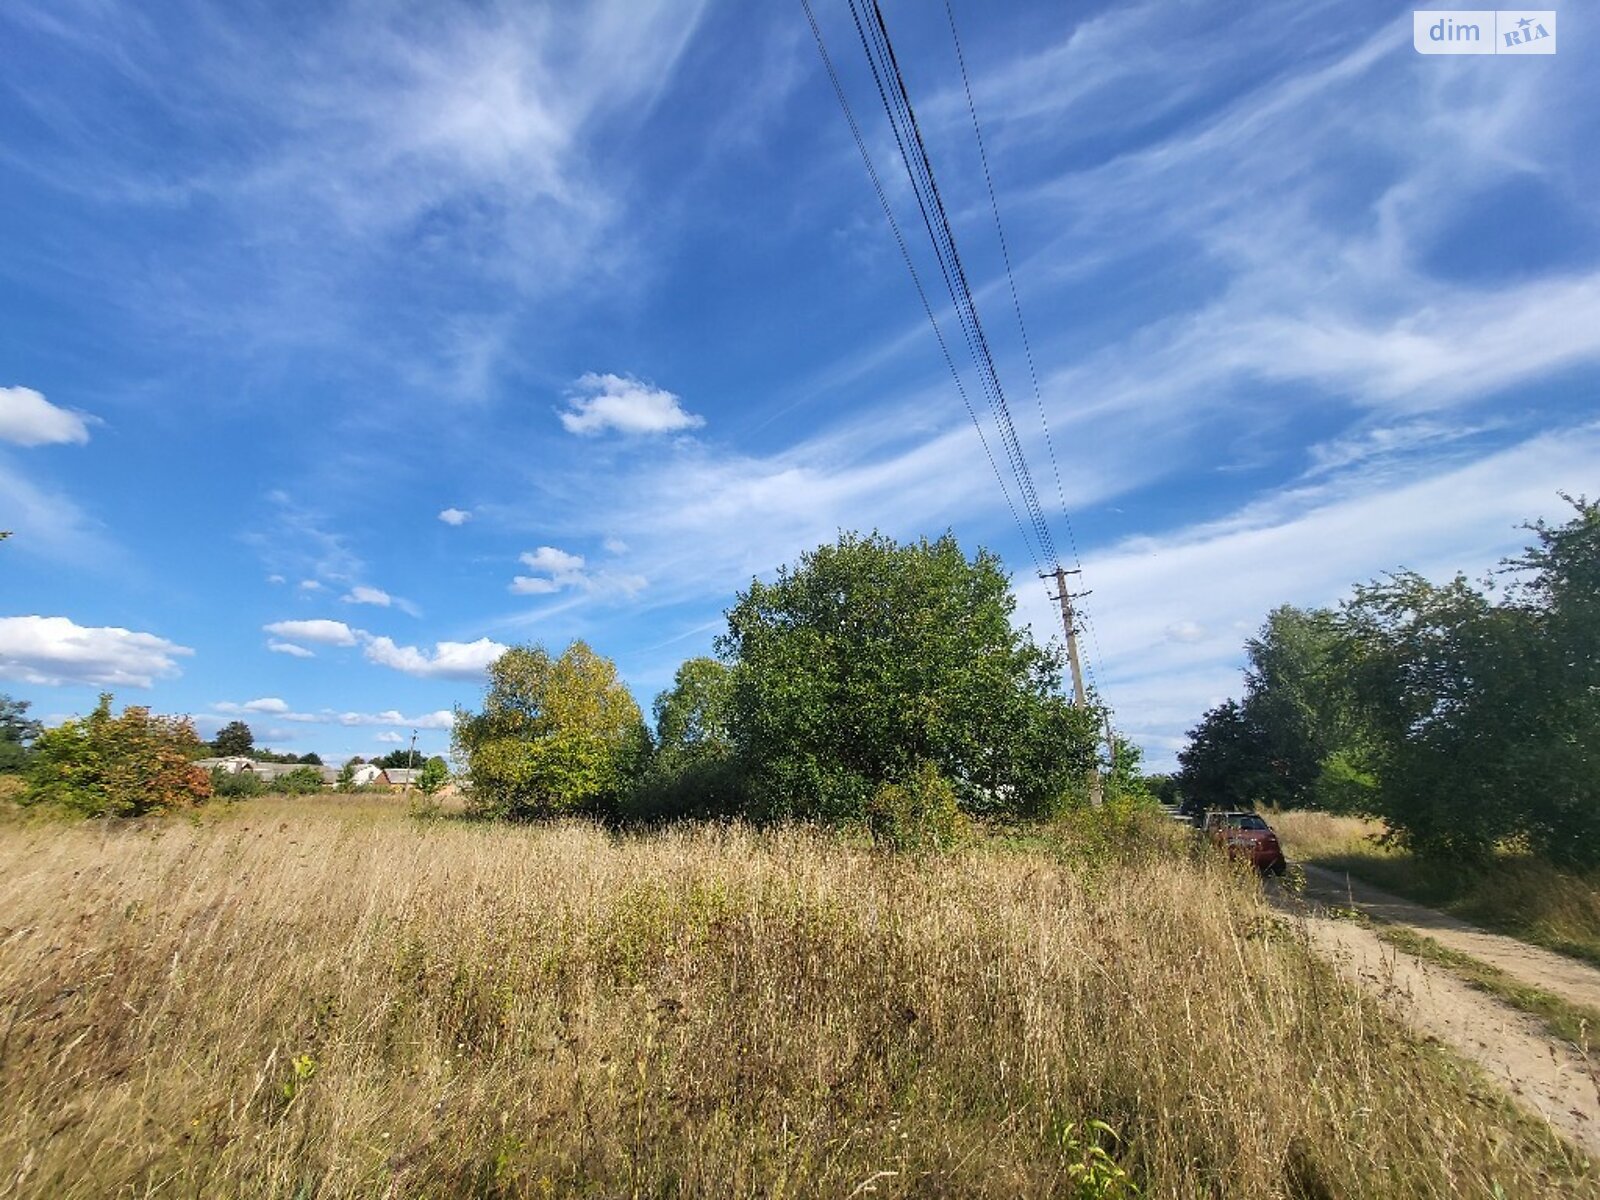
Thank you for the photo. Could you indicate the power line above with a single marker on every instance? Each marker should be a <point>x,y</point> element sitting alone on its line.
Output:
<point>890,81</point>
<point>916,279</point>
<point>1022,327</point>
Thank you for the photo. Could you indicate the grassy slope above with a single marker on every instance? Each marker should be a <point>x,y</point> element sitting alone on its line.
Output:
<point>1515,894</point>
<point>322,999</point>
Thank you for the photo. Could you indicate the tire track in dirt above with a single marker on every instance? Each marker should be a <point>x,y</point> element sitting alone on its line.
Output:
<point>1547,1075</point>
<point>1557,974</point>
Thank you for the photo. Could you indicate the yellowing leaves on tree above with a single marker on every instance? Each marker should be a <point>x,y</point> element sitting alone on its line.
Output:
<point>556,735</point>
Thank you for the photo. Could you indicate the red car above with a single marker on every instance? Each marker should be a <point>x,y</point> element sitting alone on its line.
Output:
<point>1246,835</point>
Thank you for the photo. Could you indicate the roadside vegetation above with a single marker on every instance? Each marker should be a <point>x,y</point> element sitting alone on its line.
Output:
<point>1512,892</point>
<point>324,998</point>
<point>1466,718</point>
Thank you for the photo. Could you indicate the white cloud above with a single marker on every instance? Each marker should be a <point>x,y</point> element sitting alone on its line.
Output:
<point>321,632</point>
<point>439,719</point>
<point>624,404</point>
<point>560,570</point>
<point>391,737</point>
<point>56,651</point>
<point>275,579</point>
<point>266,704</point>
<point>360,594</point>
<point>289,648</point>
<point>310,585</point>
<point>28,419</point>
<point>614,546</point>
<point>455,516</point>
<point>447,660</point>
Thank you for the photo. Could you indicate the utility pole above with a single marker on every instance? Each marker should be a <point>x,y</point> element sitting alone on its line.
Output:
<point>411,762</point>
<point>1080,697</point>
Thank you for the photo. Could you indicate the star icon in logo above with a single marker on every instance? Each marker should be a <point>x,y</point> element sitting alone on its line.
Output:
<point>1524,23</point>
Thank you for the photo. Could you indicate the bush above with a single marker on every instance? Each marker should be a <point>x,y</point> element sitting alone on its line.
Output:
<point>302,781</point>
<point>675,788</point>
<point>239,785</point>
<point>919,812</point>
<point>118,766</point>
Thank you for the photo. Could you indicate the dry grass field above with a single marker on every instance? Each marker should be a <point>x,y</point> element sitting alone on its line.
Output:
<point>325,999</point>
<point>1514,894</point>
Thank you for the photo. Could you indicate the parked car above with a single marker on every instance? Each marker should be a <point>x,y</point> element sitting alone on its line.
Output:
<point>1246,835</point>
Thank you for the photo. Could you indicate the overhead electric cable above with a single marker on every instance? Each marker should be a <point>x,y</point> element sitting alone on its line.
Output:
<point>1022,327</point>
<point>892,89</point>
<point>916,279</point>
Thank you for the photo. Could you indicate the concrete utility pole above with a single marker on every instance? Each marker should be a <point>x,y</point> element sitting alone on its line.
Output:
<point>1069,623</point>
<point>411,761</point>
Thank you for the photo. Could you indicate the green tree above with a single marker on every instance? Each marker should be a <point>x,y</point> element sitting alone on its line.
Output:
<point>17,733</point>
<point>871,659</point>
<point>693,772</point>
<point>232,739</point>
<point>404,759</point>
<point>311,760</point>
<point>1225,765</point>
<point>692,717</point>
<point>556,735</point>
<point>123,766</point>
<point>1269,748</point>
<point>347,776</point>
<point>434,775</point>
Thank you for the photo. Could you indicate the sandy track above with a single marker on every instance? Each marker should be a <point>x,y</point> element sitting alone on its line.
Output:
<point>1548,1076</point>
<point>1555,973</point>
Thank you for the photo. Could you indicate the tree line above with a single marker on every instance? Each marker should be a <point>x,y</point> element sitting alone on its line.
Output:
<point>874,683</point>
<point>1466,716</point>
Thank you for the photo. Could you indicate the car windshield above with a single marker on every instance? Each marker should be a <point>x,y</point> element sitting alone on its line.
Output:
<point>1245,821</point>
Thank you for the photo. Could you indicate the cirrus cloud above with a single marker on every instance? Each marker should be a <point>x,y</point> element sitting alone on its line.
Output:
<point>55,651</point>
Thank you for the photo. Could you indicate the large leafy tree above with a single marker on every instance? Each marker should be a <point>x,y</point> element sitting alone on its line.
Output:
<point>234,738</point>
<point>870,660</point>
<point>120,766</point>
<point>1271,746</point>
<point>556,735</point>
<point>17,732</point>
<point>1482,719</point>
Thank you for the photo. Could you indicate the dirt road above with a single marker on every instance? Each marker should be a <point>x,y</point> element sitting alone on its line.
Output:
<point>1555,973</point>
<point>1548,1076</point>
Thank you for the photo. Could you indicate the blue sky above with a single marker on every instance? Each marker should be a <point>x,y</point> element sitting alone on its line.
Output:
<point>343,344</point>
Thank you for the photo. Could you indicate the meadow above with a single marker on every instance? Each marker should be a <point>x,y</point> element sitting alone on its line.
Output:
<point>326,998</point>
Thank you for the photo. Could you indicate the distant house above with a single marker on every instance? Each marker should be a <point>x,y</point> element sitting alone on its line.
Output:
<point>237,764</point>
<point>401,776</point>
<point>366,774</point>
<point>230,765</point>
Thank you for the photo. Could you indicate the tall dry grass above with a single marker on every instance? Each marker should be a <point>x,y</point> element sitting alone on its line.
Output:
<point>307,1002</point>
<point>1514,893</point>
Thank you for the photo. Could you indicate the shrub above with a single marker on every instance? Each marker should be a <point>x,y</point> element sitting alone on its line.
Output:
<point>118,766</point>
<point>919,812</point>
<point>235,785</point>
<point>302,781</point>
